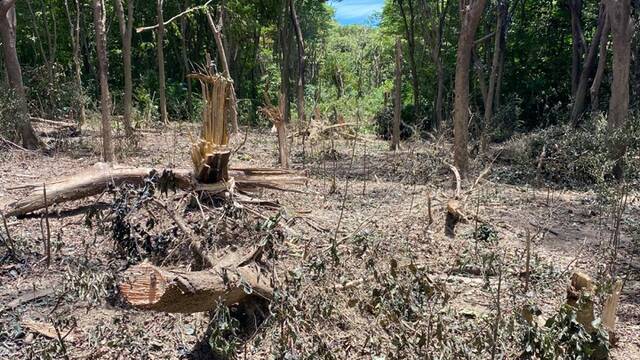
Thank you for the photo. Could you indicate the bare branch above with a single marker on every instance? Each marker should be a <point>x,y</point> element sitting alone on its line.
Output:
<point>190,10</point>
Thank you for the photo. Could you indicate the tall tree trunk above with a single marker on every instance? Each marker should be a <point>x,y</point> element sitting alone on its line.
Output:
<point>409,28</point>
<point>8,23</point>
<point>103,68</point>
<point>74,32</point>
<point>183,54</point>
<point>126,31</point>
<point>285,63</point>
<point>433,37</point>
<point>222,56</point>
<point>602,64</point>
<point>587,69</point>
<point>397,100</point>
<point>161,75</point>
<point>470,14</point>
<point>501,15</point>
<point>575,9</point>
<point>619,12</point>
<point>301,62</point>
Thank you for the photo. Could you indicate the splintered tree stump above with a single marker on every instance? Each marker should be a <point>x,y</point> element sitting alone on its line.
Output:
<point>214,168</point>
<point>148,287</point>
<point>454,215</point>
<point>210,154</point>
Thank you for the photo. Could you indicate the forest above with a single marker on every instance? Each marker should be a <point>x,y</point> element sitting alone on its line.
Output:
<point>319,179</point>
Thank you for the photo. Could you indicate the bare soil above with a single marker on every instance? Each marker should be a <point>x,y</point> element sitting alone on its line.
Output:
<point>370,211</point>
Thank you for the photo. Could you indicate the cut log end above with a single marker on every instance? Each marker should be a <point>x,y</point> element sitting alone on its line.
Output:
<point>147,287</point>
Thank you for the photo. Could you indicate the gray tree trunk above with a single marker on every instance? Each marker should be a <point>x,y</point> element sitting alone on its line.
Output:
<point>14,72</point>
<point>619,12</point>
<point>397,100</point>
<point>103,68</point>
<point>126,31</point>
<point>161,75</point>
<point>470,14</point>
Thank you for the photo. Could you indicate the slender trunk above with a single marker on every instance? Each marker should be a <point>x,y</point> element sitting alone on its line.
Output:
<point>301,62</point>
<point>575,9</point>
<point>602,64</point>
<point>74,32</point>
<point>470,13</point>
<point>500,72</point>
<point>409,26</point>
<point>103,68</point>
<point>14,73</point>
<point>397,101</point>
<point>587,69</point>
<point>501,14</point>
<point>184,56</point>
<point>126,31</point>
<point>285,65</point>
<point>161,75</point>
<point>222,55</point>
<point>619,12</point>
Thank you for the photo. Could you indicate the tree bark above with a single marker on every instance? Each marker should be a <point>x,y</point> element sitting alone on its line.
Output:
<point>587,69</point>
<point>160,53</point>
<point>222,56</point>
<point>501,16</point>
<point>409,27</point>
<point>619,12</point>
<point>575,9</point>
<point>148,287</point>
<point>103,68</point>
<point>74,32</point>
<point>126,31</point>
<point>397,101</point>
<point>184,56</point>
<point>301,62</point>
<point>602,64</point>
<point>470,13</point>
<point>14,73</point>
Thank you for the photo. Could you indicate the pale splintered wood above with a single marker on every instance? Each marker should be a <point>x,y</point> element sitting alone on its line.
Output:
<point>210,153</point>
<point>611,307</point>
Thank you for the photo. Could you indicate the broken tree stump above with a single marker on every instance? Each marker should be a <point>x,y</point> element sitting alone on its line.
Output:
<point>579,296</point>
<point>149,287</point>
<point>454,215</point>
<point>610,308</point>
<point>210,154</point>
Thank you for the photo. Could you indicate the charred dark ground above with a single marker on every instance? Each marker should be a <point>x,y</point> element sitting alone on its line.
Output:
<point>359,269</point>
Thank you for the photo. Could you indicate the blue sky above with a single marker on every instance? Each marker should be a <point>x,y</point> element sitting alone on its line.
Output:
<point>355,11</point>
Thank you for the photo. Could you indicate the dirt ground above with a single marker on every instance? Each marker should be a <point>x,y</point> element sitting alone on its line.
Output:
<point>358,219</point>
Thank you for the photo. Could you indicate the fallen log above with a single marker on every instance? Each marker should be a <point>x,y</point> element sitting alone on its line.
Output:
<point>88,183</point>
<point>149,287</point>
<point>101,176</point>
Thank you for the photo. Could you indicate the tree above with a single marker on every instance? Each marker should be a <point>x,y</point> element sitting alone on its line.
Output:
<point>161,74</point>
<point>588,68</point>
<point>301,61</point>
<point>433,36</point>
<point>470,14</point>
<point>397,100</point>
<point>577,36</point>
<point>619,12</point>
<point>14,72</point>
<point>126,31</point>
<point>409,28</point>
<point>501,17</point>
<point>103,66</point>
<point>74,32</point>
